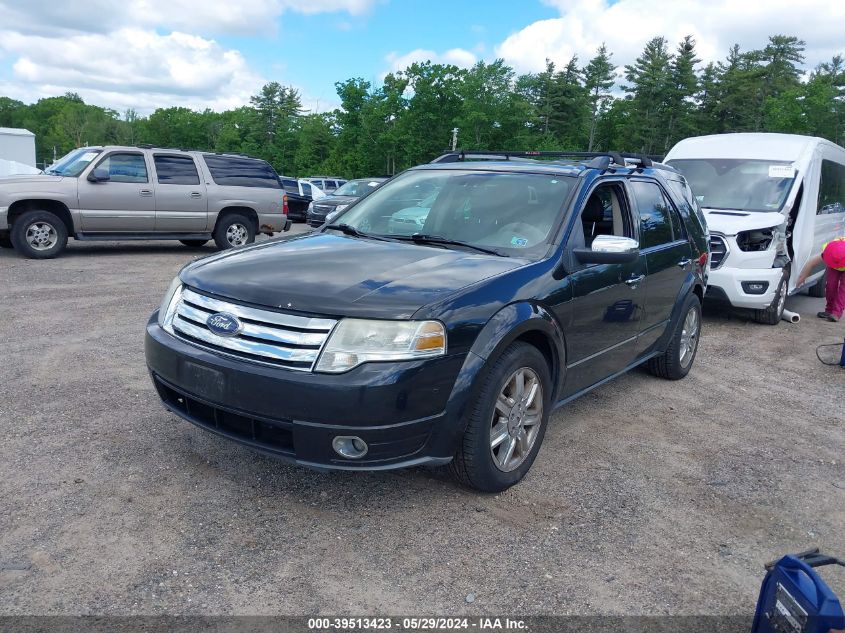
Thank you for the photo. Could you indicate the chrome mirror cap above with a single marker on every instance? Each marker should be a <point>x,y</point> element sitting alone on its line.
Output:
<point>614,244</point>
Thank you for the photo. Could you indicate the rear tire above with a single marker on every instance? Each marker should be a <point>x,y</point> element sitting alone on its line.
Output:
<point>818,289</point>
<point>233,230</point>
<point>194,243</point>
<point>39,235</point>
<point>679,356</point>
<point>498,446</point>
<point>772,314</point>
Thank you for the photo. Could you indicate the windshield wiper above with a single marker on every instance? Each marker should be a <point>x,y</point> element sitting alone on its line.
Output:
<point>348,229</point>
<point>423,238</point>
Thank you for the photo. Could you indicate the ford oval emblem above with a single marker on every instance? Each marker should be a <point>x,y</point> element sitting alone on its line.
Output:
<point>224,324</point>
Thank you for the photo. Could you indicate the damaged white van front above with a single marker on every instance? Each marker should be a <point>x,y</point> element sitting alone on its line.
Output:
<point>771,202</point>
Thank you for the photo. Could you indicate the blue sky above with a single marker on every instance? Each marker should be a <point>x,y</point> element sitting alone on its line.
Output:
<point>144,54</point>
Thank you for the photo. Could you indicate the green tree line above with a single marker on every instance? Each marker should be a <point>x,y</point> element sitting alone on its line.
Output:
<point>663,96</point>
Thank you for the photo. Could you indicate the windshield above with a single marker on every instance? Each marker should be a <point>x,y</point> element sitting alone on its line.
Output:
<point>356,188</point>
<point>513,213</point>
<point>747,185</point>
<point>73,163</point>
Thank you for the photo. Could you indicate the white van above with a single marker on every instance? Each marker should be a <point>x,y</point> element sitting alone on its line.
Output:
<point>771,202</point>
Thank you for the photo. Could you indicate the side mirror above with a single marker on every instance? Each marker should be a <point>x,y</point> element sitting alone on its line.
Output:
<point>99,175</point>
<point>609,249</point>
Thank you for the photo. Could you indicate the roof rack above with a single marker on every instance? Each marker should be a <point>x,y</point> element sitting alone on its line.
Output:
<point>600,160</point>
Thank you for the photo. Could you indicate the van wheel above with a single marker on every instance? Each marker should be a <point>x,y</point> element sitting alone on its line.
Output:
<point>507,424</point>
<point>772,314</point>
<point>5,240</point>
<point>194,243</point>
<point>818,289</point>
<point>39,235</point>
<point>234,230</point>
<point>677,360</point>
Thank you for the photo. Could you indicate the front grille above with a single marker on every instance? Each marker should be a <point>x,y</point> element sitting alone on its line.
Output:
<point>718,250</point>
<point>323,209</point>
<point>272,435</point>
<point>278,338</point>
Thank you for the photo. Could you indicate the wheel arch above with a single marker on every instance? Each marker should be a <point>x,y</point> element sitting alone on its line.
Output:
<point>59,209</point>
<point>237,209</point>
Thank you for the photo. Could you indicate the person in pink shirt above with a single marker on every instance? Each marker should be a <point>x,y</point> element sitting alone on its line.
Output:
<point>833,257</point>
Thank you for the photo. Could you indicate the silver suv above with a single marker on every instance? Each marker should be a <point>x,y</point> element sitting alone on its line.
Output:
<point>141,193</point>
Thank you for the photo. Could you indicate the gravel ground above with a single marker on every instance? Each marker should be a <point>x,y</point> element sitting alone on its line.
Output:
<point>648,497</point>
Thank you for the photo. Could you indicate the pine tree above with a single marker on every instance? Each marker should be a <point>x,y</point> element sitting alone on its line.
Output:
<point>599,77</point>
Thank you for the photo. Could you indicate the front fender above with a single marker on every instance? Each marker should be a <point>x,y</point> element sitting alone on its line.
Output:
<point>507,325</point>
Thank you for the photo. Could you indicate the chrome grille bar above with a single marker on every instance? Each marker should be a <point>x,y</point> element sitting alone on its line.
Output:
<point>277,338</point>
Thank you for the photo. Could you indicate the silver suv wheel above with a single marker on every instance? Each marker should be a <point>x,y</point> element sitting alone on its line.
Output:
<point>516,419</point>
<point>41,236</point>
<point>237,234</point>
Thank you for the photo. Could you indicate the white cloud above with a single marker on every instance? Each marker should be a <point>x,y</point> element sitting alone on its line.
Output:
<point>458,56</point>
<point>210,17</point>
<point>625,26</point>
<point>133,68</point>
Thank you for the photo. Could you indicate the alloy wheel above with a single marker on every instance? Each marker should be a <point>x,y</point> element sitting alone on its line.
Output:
<point>41,236</point>
<point>689,337</point>
<point>237,234</point>
<point>516,419</point>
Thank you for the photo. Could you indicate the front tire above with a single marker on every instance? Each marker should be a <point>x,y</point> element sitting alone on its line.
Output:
<point>772,314</point>
<point>677,360</point>
<point>39,235</point>
<point>508,422</point>
<point>234,230</point>
<point>817,290</point>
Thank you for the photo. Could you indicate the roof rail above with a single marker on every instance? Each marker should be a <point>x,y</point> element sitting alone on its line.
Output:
<point>621,159</point>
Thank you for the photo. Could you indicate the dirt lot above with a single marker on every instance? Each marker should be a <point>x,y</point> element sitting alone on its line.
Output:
<point>647,496</point>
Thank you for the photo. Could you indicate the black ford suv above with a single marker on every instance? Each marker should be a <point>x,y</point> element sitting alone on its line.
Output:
<point>524,284</point>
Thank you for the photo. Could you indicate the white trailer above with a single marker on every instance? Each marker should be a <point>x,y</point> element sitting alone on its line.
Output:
<point>17,145</point>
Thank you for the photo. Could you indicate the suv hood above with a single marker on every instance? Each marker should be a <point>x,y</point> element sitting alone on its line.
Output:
<point>335,200</point>
<point>731,222</point>
<point>25,179</point>
<point>337,275</point>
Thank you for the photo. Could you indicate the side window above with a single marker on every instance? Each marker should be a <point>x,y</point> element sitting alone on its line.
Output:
<point>306,190</point>
<point>655,214</point>
<point>238,171</point>
<point>831,188</point>
<point>290,185</point>
<point>176,170</point>
<point>125,167</point>
<point>606,212</point>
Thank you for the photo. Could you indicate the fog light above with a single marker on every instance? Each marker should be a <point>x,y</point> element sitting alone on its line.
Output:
<point>349,446</point>
<point>755,287</point>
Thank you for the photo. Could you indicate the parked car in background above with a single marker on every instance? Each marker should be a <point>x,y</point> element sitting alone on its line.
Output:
<point>772,201</point>
<point>141,193</point>
<point>529,284</point>
<point>340,199</point>
<point>410,220</point>
<point>300,194</point>
<point>326,184</point>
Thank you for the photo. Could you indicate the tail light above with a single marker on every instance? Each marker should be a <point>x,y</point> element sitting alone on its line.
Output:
<point>702,260</point>
<point>285,204</point>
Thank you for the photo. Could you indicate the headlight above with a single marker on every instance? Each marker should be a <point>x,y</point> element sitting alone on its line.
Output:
<point>331,216</point>
<point>340,207</point>
<point>169,304</point>
<point>755,240</point>
<point>356,341</point>
<point>311,206</point>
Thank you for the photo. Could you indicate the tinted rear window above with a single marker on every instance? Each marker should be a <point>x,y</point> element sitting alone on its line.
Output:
<point>176,170</point>
<point>241,172</point>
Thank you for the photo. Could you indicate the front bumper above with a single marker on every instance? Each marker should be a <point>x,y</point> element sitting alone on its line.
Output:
<point>401,410</point>
<point>4,218</point>
<point>726,284</point>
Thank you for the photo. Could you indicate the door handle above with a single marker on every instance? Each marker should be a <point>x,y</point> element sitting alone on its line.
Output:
<point>145,192</point>
<point>684,263</point>
<point>634,281</point>
<point>196,194</point>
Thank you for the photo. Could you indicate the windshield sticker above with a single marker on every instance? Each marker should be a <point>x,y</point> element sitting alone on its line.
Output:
<point>373,184</point>
<point>519,241</point>
<point>781,171</point>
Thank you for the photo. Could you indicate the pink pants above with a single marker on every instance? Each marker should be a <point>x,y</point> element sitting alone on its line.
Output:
<point>835,292</point>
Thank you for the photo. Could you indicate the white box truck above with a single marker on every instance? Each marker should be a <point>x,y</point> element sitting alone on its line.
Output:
<point>17,151</point>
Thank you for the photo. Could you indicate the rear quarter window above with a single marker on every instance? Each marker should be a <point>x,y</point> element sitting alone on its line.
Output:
<point>235,171</point>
